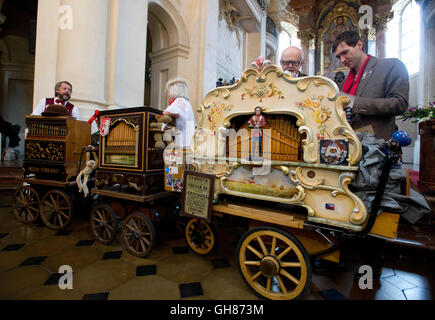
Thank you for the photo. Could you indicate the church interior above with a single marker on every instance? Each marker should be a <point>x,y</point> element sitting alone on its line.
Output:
<point>121,54</point>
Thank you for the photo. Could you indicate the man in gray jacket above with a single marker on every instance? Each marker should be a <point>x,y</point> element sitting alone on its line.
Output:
<point>378,88</point>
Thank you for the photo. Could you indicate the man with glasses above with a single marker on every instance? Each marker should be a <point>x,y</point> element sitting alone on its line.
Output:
<point>291,61</point>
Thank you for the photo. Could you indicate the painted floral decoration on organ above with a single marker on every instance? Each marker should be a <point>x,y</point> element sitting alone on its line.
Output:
<point>260,63</point>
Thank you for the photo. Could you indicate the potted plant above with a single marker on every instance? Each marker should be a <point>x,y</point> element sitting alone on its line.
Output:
<point>426,116</point>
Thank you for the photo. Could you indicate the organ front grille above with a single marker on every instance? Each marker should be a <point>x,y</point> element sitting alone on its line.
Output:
<point>285,138</point>
<point>121,144</point>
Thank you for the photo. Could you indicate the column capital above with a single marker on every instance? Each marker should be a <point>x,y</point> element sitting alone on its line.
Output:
<point>382,19</point>
<point>306,36</point>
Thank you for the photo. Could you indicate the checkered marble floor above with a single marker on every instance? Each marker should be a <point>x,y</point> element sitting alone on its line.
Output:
<point>31,255</point>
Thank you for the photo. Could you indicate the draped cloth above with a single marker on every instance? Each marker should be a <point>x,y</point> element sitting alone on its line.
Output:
<point>412,208</point>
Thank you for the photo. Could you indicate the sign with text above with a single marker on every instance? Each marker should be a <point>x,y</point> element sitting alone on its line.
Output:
<point>197,195</point>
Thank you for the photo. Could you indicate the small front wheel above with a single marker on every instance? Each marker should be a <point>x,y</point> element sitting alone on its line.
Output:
<point>200,236</point>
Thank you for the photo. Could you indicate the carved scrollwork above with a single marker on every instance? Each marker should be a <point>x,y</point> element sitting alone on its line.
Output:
<point>302,85</point>
<point>309,145</point>
<point>297,177</point>
<point>227,171</point>
<point>359,212</point>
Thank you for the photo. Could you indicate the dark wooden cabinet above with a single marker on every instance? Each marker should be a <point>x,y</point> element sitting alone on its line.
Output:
<point>53,146</point>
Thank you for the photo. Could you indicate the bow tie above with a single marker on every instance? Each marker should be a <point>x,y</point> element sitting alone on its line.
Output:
<point>58,101</point>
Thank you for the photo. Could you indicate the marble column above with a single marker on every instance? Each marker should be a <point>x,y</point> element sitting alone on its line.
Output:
<point>90,44</point>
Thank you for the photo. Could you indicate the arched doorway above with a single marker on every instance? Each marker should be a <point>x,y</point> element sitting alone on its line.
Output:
<point>167,47</point>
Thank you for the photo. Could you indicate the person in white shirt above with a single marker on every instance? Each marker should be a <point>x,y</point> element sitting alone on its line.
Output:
<point>62,93</point>
<point>180,109</point>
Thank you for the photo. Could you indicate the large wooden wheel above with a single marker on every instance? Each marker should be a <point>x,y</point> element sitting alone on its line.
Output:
<point>200,236</point>
<point>139,234</point>
<point>57,209</point>
<point>26,205</point>
<point>274,263</point>
<point>104,224</point>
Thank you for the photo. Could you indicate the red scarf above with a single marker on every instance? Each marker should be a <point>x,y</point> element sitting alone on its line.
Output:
<point>351,84</point>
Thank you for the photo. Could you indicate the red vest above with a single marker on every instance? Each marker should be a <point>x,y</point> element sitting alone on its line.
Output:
<point>69,107</point>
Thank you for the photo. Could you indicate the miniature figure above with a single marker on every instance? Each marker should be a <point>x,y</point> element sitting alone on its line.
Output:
<point>257,122</point>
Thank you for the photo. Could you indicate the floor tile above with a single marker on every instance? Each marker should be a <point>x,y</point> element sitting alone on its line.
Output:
<point>10,259</point>
<point>387,272</point>
<point>76,257</point>
<point>189,268</point>
<point>103,276</point>
<point>188,290</point>
<point>2,235</point>
<point>28,234</point>
<point>18,281</point>
<point>49,246</point>
<point>96,296</point>
<point>227,284</point>
<point>33,261</point>
<point>112,255</point>
<point>220,263</point>
<point>180,250</point>
<point>13,247</point>
<point>63,233</point>
<point>53,279</point>
<point>51,292</point>
<point>419,278</point>
<point>332,294</point>
<point>138,289</point>
<point>85,243</point>
<point>419,294</point>
<point>399,282</point>
<point>146,270</point>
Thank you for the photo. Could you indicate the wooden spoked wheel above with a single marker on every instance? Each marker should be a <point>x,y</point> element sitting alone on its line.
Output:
<point>139,234</point>
<point>200,236</point>
<point>104,224</point>
<point>56,209</point>
<point>274,263</point>
<point>26,205</point>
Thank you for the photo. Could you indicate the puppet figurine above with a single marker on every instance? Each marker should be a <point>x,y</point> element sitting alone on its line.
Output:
<point>256,123</point>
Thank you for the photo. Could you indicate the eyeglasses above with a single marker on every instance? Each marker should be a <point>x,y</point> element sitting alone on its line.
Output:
<point>289,62</point>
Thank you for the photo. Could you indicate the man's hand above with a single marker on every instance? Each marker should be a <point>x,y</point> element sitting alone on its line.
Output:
<point>349,108</point>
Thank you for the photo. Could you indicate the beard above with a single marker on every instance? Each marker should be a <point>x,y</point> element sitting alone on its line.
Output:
<point>63,97</point>
<point>292,72</point>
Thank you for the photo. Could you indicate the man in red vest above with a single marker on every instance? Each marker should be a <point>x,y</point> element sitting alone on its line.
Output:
<point>62,91</point>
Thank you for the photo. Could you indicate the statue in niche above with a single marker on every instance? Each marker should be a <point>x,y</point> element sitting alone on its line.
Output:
<point>256,123</point>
